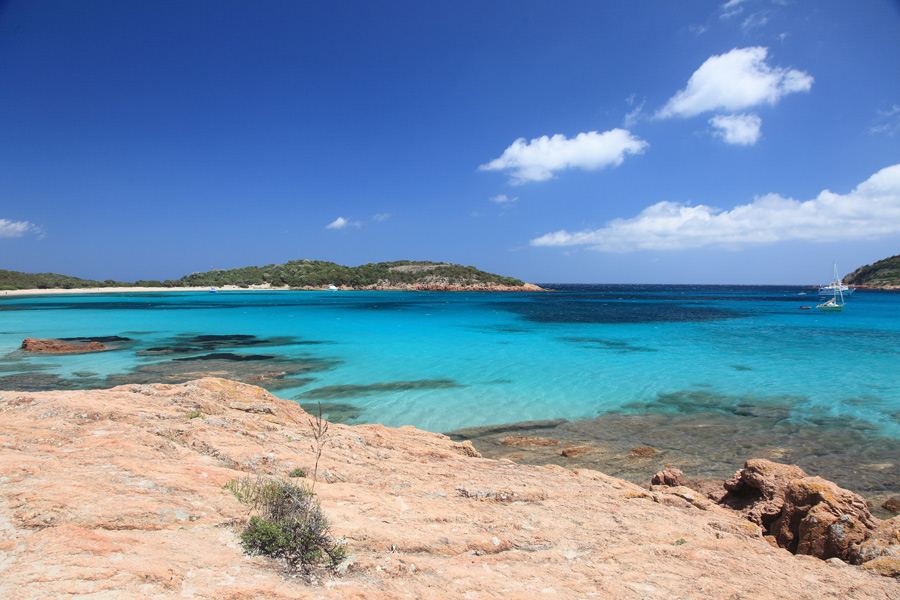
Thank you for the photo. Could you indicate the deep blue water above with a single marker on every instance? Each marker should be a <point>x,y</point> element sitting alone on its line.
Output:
<point>441,361</point>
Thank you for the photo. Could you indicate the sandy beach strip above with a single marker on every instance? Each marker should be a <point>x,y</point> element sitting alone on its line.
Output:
<point>124,290</point>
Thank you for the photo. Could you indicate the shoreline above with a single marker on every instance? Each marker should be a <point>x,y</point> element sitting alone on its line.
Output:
<point>634,446</point>
<point>135,289</point>
<point>528,287</point>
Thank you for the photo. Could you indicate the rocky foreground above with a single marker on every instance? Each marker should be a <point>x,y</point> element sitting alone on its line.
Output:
<point>119,494</point>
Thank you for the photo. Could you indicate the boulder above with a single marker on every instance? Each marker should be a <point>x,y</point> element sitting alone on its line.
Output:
<point>883,544</point>
<point>757,491</point>
<point>670,477</point>
<point>569,451</point>
<point>59,346</point>
<point>643,451</point>
<point>892,504</point>
<point>714,490</point>
<point>805,515</point>
<point>820,519</point>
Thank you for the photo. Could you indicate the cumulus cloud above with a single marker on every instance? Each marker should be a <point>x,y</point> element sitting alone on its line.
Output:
<point>734,81</point>
<point>540,158</point>
<point>14,229</point>
<point>503,199</point>
<point>870,211</point>
<point>742,130</point>
<point>342,223</point>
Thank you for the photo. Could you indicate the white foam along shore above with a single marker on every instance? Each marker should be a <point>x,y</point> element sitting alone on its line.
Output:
<point>117,290</point>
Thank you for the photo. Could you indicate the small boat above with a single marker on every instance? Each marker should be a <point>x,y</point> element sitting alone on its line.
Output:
<point>805,307</point>
<point>831,305</point>
<point>836,291</point>
<point>213,290</point>
<point>836,285</point>
<point>332,288</point>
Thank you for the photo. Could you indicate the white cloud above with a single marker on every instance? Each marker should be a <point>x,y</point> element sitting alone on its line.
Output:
<point>14,229</point>
<point>538,159</point>
<point>732,8</point>
<point>342,223</point>
<point>870,211</point>
<point>736,80</point>
<point>887,121</point>
<point>503,199</point>
<point>742,130</point>
<point>381,217</point>
<point>697,30</point>
<point>754,21</point>
<point>635,114</point>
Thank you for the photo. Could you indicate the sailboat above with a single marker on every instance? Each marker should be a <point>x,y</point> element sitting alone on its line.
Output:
<point>836,287</point>
<point>212,289</point>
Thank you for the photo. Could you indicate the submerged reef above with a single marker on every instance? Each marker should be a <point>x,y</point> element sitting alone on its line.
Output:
<point>708,436</point>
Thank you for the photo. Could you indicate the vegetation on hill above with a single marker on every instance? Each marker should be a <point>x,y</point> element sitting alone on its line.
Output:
<point>884,273</point>
<point>14,280</point>
<point>316,273</point>
<point>295,273</point>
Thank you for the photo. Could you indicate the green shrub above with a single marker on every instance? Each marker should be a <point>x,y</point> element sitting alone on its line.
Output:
<point>289,524</point>
<point>298,472</point>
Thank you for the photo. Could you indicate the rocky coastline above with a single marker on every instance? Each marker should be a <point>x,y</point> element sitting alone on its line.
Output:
<point>119,493</point>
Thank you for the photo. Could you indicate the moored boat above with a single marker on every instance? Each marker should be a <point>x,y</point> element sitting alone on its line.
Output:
<point>828,290</point>
<point>836,291</point>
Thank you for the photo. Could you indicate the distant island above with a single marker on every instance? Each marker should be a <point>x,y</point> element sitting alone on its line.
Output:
<point>297,275</point>
<point>884,274</point>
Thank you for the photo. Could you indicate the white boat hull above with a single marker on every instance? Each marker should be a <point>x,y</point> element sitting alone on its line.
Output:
<point>828,290</point>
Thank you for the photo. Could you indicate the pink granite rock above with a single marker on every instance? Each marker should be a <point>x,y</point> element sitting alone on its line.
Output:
<point>757,491</point>
<point>59,346</point>
<point>119,494</point>
<point>671,477</point>
<point>823,520</point>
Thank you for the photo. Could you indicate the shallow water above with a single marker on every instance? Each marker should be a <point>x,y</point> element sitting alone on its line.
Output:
<point>739,357</point>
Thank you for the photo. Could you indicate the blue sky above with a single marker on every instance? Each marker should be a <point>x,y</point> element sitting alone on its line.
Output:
<point>739,141</point>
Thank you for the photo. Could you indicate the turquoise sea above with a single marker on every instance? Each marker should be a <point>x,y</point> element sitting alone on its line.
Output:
<point>648,356</point>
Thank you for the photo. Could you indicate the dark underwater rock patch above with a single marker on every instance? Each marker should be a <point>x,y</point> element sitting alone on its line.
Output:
<point>562,310</point>
<point>37,382</point>
<point>604,344</point>
<point>266,371</point>
<point>164,350</point>
<point>228,356</point>
<point>353,391</point>
<point>102,339</point>
<point>335,412</point>
<point>696,401</point>
<point>20,366</point>
<point>186,344</point>
<point>709,443</point>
